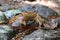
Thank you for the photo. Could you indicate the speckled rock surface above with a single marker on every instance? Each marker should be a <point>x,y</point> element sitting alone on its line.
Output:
<point>36,35</point>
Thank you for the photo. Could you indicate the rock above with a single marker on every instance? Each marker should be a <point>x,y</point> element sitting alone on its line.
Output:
<point>36,35</point>
<point>50,34</point>
<point>4,7</point>
<point>27,8</point>
<point>51,24</point>
<point>5,29</point>
<point>2,17</point>
<point>6,32</point>
<point>40,9</point>
<point>45,11</point>
<point>10,13</point>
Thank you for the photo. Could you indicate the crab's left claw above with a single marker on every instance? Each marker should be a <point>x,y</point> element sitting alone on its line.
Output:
<point>24,23</point>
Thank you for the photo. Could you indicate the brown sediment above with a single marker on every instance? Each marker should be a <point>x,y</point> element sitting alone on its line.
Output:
<point>23,33</point>
<point>13,19</point>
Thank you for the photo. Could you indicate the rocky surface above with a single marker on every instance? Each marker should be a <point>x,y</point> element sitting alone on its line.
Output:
<point>36,35</point>
<point>42,35</point>
<point>43,10</point>
<point>40,9</point>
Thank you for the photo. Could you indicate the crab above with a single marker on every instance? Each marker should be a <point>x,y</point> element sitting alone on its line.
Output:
<point>39,19</point>
<point>24,20</point>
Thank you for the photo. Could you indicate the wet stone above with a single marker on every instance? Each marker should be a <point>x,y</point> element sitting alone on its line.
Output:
<point>40,9</point>
<point>2,17</point>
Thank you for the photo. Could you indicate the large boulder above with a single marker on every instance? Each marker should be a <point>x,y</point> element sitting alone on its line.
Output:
<point>40,9</point>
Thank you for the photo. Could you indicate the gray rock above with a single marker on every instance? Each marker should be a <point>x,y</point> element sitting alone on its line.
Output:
<point>36,35</point>
<point>2,17</point>
<point>45,11</point>
<point>27,8</point>
<point>50,34</point>
<point>40,9</point>
<point>11,13</point>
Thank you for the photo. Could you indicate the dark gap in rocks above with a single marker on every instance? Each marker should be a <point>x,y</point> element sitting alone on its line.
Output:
<point>0,4</point>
